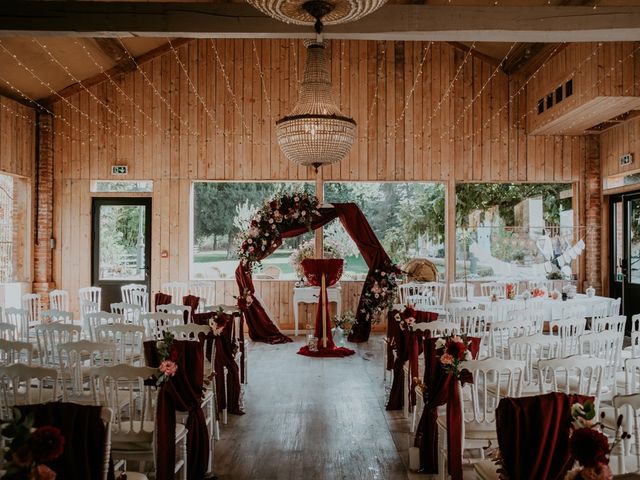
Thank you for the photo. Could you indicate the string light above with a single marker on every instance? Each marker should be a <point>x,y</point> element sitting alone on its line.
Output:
<point>378,77</point>
<point>229,89</point>
<point>157,93</point>
<point>413,88</point>
<point>91,94</point>
<point>262,80</point>
<point>193,87</point>
<point>118,88</point>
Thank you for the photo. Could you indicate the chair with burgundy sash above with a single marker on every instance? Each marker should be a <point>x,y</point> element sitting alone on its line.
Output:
<point>573,375</point>
<point>174,308</point>
<point>158,322</point>
<point>533,436</point>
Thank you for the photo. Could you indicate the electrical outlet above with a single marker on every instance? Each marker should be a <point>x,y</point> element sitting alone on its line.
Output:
<point>119,169</point>
<point>626,159</point>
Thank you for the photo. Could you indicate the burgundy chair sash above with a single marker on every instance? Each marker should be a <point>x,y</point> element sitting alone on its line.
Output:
<point>533,434</point>
<point>161,299</point>
<point>183,393</point>
<point>442,388</point>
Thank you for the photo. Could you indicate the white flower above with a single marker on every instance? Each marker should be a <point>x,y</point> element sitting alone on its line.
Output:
<point>271,220</point>
<point>397,317</point>
<point>249,241</point>
<point>440,343</point>
<point>467,355</point>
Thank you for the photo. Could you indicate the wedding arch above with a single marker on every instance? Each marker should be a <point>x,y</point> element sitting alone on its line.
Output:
<point>292,214</point>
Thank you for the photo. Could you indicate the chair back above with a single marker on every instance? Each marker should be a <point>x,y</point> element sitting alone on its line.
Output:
<point>156,323</point>
<point>501,332</point>
<point>59,316</point>
<point>127,339</point>
<point>459,290</point>
<point>59,300</point>
<point>629,407</point>
<point>135,294</point>
<point>438,328</point>
<point>572,311</point>
<point>531,315</point>
<point>615,323</point>
<point>407,291</point>
<point>15,352</point>
<point>25,385</point>
<point>475,323</point>
<point>8,331</point>
<point>493,379</point>
<point>19,318</point>
<point>177,290</point>
<point>31,303</point>
<point>90,294</point>
<point>96,319</point>
<point>129,311</point>
<point>635,323</point>
<point>493,288</point>
<point>87,307</point>
<point>190,331</point>
<point>600,310</point>
<point>575,374</point>
<point>206,291</point>
<point>569,331</point>
<point>75,357</point>
<point>501,309</point>
<point>49,336</point>
<point>546,285</point>
<point>175,308</point>
<point>531,348</point>
<point>606,345</point>
<point>615,307</point>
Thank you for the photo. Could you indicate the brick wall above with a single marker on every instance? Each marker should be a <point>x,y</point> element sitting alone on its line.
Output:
<point>593,214</point>
<point>42,255</point>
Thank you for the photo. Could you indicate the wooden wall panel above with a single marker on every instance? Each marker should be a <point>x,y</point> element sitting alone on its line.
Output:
<point>17,138</point>
<point>617,141</point>
<point>216,122</point>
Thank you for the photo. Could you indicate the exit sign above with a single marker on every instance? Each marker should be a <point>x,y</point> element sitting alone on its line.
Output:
<point>119,169</point>
<point>626,159</point>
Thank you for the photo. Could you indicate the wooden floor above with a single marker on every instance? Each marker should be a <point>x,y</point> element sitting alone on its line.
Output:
<point>313,418</point>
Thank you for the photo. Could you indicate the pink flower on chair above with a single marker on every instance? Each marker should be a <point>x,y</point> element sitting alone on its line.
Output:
<point>446,359</point>
<point>42,472</point>
<point>168,367</point>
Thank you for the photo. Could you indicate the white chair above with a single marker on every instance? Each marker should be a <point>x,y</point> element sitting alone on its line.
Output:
<point>532,348</point>
<point>606,345</point>
<point>572,311</point>
<point>632,375</point>
<point>615,307</point>
<point>501,309</point>
<point>177,290</point>
<point>569,331</point>
<point>15,352</point>
<point>493,288</point>
<point>57,316</point>
<point>574,374</point>
<point>26,385</point>
<point>626,456</point>
<point>206,291</point>
<point>135,294</point>
<point>459,290</point>
<point>122,388</point>
<point>156,323</point>
<point>501,332</point>
<point>175,308</point>
<point>75,360</point>
<point>127,339</point>
<point>438,328</point>
<point>90,294</point>
<point>493,379</point>
<point>31,303</point>
<point>614,323</point>
<point>533,316</point>
<point>129,311</point>
<point>19,318</point>
<point>8,331</point>
<point>600,310</point>
<point>546,285</point>
<point>406,291</point>
<point>190,331</point>
<point>49,336</point>
<point>87,307</point>
<point>59,300</point>
<point>96,319</point>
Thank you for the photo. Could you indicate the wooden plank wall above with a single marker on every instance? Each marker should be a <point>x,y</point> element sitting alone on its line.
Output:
<point>217,122</point>
<point>597,69</point>
<point>17,138</point>
<point>617,141</point>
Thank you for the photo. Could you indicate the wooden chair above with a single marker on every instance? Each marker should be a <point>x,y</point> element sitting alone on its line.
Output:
<point>122,388</point>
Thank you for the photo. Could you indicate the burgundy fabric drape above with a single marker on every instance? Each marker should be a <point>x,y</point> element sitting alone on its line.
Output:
<point>228,394</point>
<point>183,392</point>
<point>193,302</point>
<point>84,436</point>
<point>331,270</point>
<point>442,388</point>
<point>533,434</point>
<point>403,346</point>
<point>261,327</point>
<point>161,299</point>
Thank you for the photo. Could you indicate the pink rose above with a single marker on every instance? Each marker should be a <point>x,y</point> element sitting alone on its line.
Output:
<point>42,472</point>
<point>168,367</point>
<point>446,359</point>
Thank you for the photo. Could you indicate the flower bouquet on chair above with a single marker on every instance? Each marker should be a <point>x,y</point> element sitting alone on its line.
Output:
<point>324,273</point>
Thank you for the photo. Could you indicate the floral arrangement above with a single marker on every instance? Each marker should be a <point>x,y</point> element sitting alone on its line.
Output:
<point>308,250</point>
<point>451,351</point>
<point>29,448</point>
<point>406,318</point>
<point>168,356</point>
<point>538,292</point>
<point>283,210</point>
<point>510,291</point>
<point>345,321</point>
<point>589,446</point>
<point>213,321</point>
<point>245,299</point>
<point>379,292</point>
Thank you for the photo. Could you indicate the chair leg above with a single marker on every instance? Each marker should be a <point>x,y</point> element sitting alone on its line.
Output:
<point>183,472</point>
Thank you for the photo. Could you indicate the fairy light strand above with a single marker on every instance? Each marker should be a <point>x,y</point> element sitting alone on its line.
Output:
<point>263,83</point>
<point>211,115</point>
<point>379,75</point>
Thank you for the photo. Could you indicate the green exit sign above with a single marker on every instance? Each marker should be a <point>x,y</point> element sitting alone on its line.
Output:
<point>119,170</point>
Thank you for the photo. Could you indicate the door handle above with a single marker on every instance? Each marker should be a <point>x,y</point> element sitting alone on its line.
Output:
<point>623,264</point>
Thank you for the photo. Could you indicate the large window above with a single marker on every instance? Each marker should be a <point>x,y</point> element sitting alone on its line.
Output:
<point>221,210</point>
<point>15,229</point>
<point>407,218</point>
<point>515,231</point>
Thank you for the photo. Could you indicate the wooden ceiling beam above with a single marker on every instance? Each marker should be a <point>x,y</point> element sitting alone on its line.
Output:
<point>391,22</point>
<point>119,69</point>
<point>113,49</point>
<point>529,56</point>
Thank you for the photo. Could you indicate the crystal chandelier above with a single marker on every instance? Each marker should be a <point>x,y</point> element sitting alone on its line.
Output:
<point>316,133</point>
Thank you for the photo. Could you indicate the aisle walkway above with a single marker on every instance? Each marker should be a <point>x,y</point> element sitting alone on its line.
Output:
<point>313,419</point>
